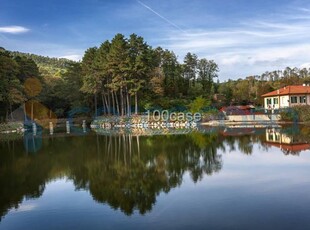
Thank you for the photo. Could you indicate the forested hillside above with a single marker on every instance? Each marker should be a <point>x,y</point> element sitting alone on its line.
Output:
<point>44,61</point>
<point>47,65</point>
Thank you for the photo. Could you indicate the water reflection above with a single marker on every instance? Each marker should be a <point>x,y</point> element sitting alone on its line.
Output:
<point>288,143</point>
<point>125,171</point>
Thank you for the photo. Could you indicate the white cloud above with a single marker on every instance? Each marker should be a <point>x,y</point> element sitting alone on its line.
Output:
<point>26,208</point>
<point>73,57</point>
<point>250,47</point>
<point>305,65</point>
<point>13,29</point>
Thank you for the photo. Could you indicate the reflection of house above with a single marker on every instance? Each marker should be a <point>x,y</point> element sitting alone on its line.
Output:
<point>287,97</point>
<point>288,144</point>
<point>272,135</point>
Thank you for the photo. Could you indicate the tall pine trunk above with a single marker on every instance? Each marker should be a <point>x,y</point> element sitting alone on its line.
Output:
<point>109,104</point>
<point>125,103</point>
<point>136,103</point>
<point>128,104</point>
<point>95,101</point>
<point>11,112</point>
<point>117,104</point>
<point>106,103</point>
<point>122,101</point>
<point>113,102</point>
<point>103,103</point>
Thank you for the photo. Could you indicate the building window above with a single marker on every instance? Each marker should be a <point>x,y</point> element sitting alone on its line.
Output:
<point>268,101</point>
<point>293,100</point>
<point>275,101</point>
<point>302,99</point>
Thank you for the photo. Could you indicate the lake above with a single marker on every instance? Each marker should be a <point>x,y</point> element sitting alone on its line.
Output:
<point>209,178</point>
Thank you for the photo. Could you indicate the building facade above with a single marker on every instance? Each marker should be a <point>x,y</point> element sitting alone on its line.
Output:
<point>287,96</point>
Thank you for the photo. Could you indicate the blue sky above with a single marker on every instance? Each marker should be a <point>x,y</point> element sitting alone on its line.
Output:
<point>244,37</point>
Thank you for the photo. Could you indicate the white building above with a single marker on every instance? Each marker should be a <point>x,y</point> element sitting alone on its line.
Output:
<point>287,96</point>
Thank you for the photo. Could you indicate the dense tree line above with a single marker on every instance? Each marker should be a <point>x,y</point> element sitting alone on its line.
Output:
<point>250,89</point>
<point>122,72</point>
<point>13,74</point>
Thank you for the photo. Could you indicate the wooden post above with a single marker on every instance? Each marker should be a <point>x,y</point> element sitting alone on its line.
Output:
<point>51,128</point>
<point>68,127</point>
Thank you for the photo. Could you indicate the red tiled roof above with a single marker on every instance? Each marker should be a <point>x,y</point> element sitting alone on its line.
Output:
<point>237,107</point>
<point>288,90</point>
<point>291,147</point>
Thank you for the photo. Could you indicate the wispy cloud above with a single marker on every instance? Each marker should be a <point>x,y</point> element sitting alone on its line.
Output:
<point>250,47</point>
<point>13,29</point>
<point>304,9</point>
<point>243,38</point>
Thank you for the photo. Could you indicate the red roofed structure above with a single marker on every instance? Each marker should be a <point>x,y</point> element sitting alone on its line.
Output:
<point>293,149</point>
<point>287,96</point>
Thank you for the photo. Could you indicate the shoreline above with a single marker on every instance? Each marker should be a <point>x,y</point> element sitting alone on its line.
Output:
<point>12,127</point>
<point>256,123</point>
<point>18,127</point>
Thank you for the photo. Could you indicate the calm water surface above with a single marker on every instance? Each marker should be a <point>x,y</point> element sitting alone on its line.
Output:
<point>211,179</point>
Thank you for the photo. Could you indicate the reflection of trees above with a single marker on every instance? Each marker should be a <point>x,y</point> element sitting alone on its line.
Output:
<point>20,177</point>
<point>134,170</point>
<point>290,152</point>
<point>245,144</point>
<point>124,171</point>
<point>127,172</point>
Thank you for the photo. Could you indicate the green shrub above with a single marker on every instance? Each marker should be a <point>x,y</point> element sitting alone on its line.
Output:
<point>198,104</point>
<point>286,115</point>
<point>303,112</point>
<point>299,113</point>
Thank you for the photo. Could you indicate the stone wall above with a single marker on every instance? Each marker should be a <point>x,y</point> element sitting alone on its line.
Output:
<point>251,118</point>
